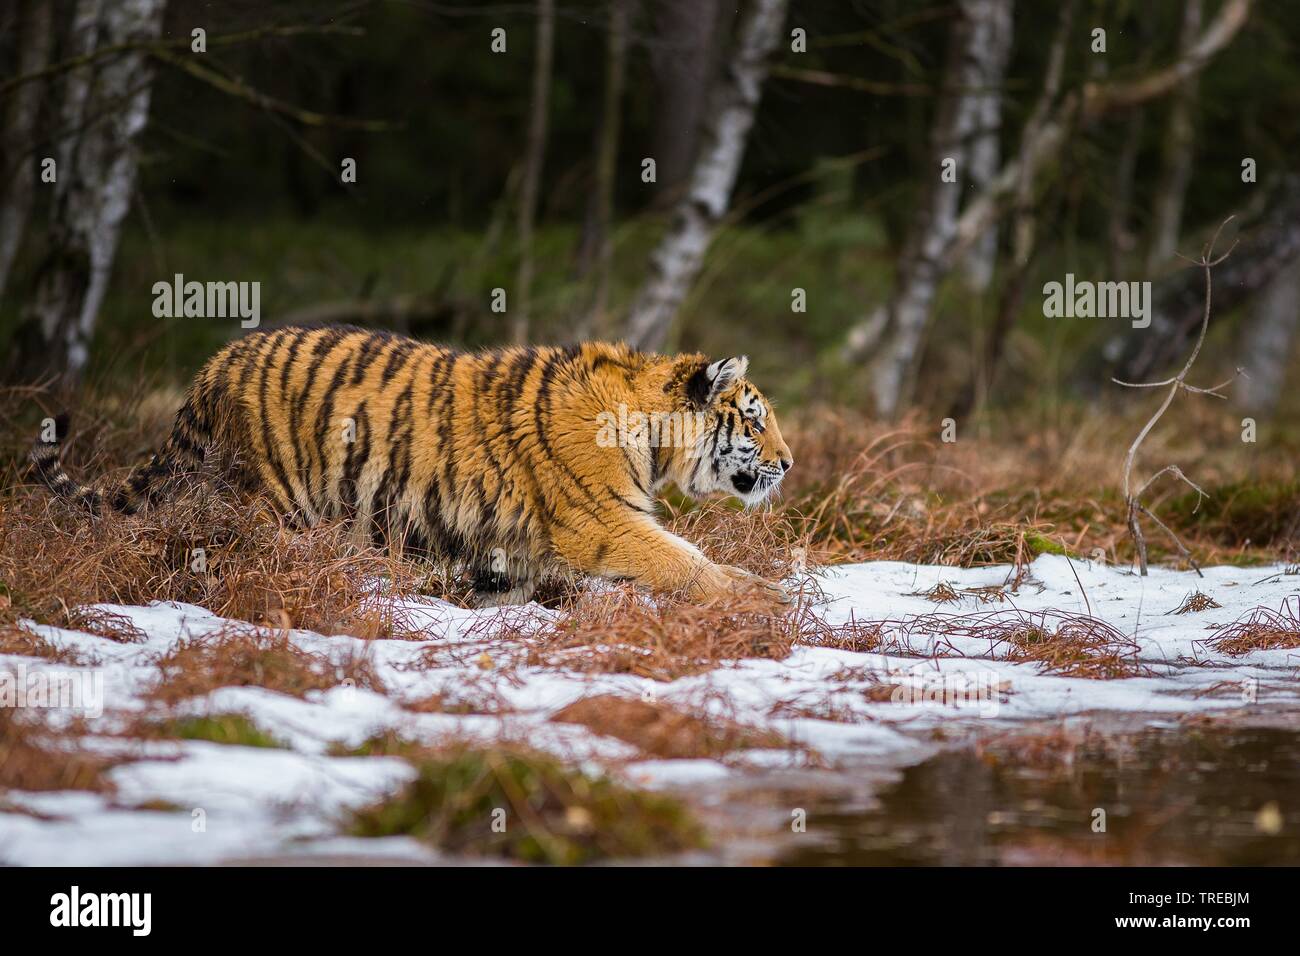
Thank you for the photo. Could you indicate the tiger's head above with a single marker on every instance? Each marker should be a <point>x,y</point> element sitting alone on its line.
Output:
<point>735,446</point>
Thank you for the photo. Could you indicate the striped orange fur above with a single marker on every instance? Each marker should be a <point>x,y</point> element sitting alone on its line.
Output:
<point>517,460</point>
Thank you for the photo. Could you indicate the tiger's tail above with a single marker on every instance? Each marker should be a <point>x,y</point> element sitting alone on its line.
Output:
<point>183,451</point>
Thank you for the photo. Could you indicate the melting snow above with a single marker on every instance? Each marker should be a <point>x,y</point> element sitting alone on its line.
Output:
<point>247,803</point>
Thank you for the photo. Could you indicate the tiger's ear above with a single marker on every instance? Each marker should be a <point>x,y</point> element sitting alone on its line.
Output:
<point>710,381</point>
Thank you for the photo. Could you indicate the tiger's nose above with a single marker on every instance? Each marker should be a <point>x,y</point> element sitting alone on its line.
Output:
<point>786,463</point>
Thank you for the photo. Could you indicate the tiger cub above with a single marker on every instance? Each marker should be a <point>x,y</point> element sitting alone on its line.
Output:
<point>518,461</point>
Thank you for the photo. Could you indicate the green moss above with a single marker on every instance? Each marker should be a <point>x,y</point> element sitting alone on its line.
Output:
<point>1041,544</point>
<point>233,729</point>
<point>1239,513</point>
<point>528,807</point>
<point>386,744</point>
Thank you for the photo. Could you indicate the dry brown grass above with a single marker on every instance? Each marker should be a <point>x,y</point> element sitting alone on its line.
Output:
<point>1260,629</point>
<point>1061,643</point>
<point>1052,749</point>
<point>252,566</point>
<point>621,632</point>
<point>1008,489</point>
<point>1194,603</point>
<point>238,656</point>
<point>941,593</point>
<point>256,568</point>
<point>820,706</point>
<point>115,627</point>
<point>19,640</point>
<point>664,731</point>
<point>32,759</point>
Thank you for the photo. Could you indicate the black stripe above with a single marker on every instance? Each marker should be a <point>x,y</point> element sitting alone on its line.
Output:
<point>370,350</point>
<point>289,361</point>
<point>321,432</point>
<point>270,447</point>
<point>397,360</point>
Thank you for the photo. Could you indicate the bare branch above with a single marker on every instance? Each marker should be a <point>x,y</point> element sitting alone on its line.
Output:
<point>1176,384</point>
<point>235,86</point>
<point>1102,98</point>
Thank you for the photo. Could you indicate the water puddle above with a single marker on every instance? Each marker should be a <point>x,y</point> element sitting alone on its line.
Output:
<point>1210,796</point>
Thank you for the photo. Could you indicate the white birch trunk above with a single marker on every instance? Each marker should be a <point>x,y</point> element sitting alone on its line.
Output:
<point>992,55</point>
<point>103,110</point>
<point>680,254</point>
<point>1041,142</point>
<point>926,260</point>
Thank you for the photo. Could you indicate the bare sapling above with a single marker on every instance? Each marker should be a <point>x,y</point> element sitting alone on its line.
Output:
<point>1133,498</point>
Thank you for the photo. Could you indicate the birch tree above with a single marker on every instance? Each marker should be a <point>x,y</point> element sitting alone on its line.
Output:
<point>733,102</point>
<point>990,66</point>
<point>103,107</point>
<point>898,326</point>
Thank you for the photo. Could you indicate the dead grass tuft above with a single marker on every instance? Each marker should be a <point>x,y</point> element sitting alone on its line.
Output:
<point>620,631</point>
<point>18,640</point>
<point>825,705</point>
<point>1260,629</point>
<point>941,593</point>
<point>773,541</point>
<point>115,627</point>
<point>462,702</point>
<point>233,556</point>
<point>240,656</point>
<point>664,731</point>
<point>1069,645</point>
<point>1194,603</point>
<point>30,759</point>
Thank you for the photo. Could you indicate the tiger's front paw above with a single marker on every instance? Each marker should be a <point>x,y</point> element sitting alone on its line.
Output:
<point>741,580</point>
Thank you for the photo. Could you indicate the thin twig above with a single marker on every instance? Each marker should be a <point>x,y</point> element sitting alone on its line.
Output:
<point>1133,500</point>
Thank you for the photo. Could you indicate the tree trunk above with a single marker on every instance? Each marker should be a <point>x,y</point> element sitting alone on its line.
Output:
<point>104,107</point>
<point>732,105</point>
<point>20,162</point>
<point>923,264</point>
<point>1267,247</point>
<point>985,157</point>
<point>1176,161</point>
<point>598,242</point>
<point>1270,334</point>
<point>1040,144</point>
<point>683,59</point>
<point>533,157</point>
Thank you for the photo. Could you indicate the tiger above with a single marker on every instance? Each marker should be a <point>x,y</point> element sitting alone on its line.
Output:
<point>517,461</point>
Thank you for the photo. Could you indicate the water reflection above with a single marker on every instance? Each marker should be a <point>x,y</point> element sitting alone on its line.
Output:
<point>1176,796</point>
